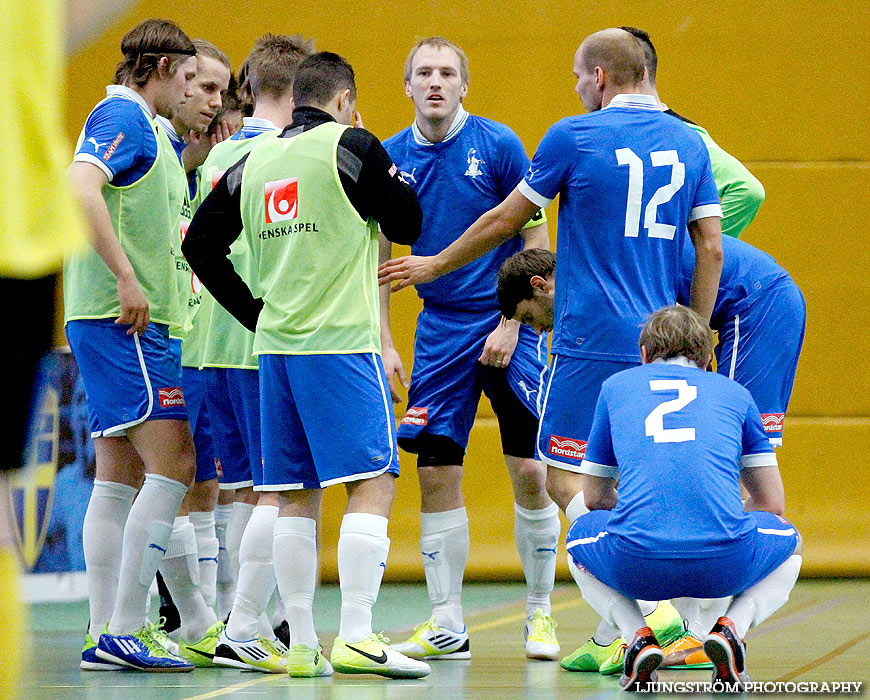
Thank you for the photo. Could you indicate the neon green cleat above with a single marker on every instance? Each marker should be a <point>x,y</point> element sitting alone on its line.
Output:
<point>201,654</point>
<point>432,641</point>
<point>590,656</point>
<point>540,636</point>
<point>259,654</point>
<point>613,664</point>
<point>158,633</point>
<point>666,623</point>
<point>374,655</point>
<point>305,662</point>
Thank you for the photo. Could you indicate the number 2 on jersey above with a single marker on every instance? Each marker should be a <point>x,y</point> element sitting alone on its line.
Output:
<point>655,424</point>
<point>625,156</point>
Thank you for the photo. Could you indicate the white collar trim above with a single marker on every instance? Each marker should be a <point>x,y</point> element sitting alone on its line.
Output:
<point>257,123</point>
<point>634,100</point>
<point>681,361</point>
<point>130,94</point>
<point>168,127</point>
<point>455,127</point>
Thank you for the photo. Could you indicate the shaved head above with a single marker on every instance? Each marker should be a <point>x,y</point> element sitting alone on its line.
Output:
<point>617,53</point>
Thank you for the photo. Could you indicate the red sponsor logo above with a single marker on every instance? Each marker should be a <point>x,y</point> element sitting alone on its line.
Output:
<point>393,170</point>
<point>282,200</point>
<point>219,468</point>
<point>416,415</point>
<point>216,177</point>
<point>171,396</point>
<point>772,422</point>
<point>183,226</point>
<point>112,146</point>
<point>567,447</point>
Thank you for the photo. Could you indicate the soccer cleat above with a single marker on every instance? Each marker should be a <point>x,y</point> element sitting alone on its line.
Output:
<point>374,655</point>
<point>642,659</point>
<point>282,633</point>
<point>140,651</point>
<point>540,637</point>
<point>727,652</point>
<point>305,662</point>
<point>201,653</point>
<point>158,630</point>
<point>666,623</point>
<point>591,655</point>
<point>431,641</point>
<point>613,664</point>
<point>685,653</point>
<point>90,660</point>
<point>253,655</point>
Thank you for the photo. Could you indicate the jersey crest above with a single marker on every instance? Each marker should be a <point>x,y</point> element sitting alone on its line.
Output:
<point>474,163</point>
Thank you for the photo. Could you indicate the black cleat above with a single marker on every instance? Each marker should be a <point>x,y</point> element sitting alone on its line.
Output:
<point>728,654</point>
<point>642,657</point>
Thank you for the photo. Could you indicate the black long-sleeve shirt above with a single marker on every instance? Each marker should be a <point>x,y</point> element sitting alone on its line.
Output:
<point>368,177</point>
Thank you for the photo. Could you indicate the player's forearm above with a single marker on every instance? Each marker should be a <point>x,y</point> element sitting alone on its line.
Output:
<point>536,237</point>
<point>385,251</point>
<point>707,239</point>
<point>488,232</point>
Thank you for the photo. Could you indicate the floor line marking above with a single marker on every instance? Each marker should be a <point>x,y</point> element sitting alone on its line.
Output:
<point>238,686</point>
<point>824,659</point>
<point>518,617</point>
<point>800,615</point>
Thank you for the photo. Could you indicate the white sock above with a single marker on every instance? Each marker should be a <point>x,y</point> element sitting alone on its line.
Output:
<point>225,584</point>
<point>757,603</point>
<point>605,634</point>
<point>614,607</point>
<point>180,570</point>
<point>576,507</point>
<point>102,538</point>
<point>207,548</point>
<point>647,607</point>
<point>363,546</point>
<point>700,614</point>
<point>295,556</point>
<point>256,575</point>
<point>278,613</point>
<point>444,545</point>
<point>537,535</point>
<point>238,521</point>
<point>146,537</point>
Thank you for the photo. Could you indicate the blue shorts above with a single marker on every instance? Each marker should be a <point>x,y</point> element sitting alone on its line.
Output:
<point>569,405</point>
<point>648,577</point>
<point>234,410</point>
<point>194,383</point>
<point>326,419</point>
<point>759,348</point>
<point>447,379</point>
<point>128,379</point>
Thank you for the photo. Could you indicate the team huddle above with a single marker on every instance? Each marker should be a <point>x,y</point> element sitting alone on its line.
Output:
<point>237,291</point>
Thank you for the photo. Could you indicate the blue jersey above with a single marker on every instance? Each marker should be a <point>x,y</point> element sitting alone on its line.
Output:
<point>471,171</point>
<point>118,138</point>
<point>746,272</point>
<point>676,437</point>
<point>629,179</point>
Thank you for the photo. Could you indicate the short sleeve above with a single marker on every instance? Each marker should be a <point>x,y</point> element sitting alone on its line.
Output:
<point>600,459</point>
<point>757,450</point>
<point>114,138</point>
<point>513,162</point>
<point>706,200</point>
<point>550,166</point>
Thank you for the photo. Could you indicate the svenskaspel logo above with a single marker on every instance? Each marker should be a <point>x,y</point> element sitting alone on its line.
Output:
<point>282,200</point>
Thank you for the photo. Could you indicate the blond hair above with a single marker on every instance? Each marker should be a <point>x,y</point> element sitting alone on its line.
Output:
<point>438,42</point>
<point>618,53</point>
<point>677,331</point>
<point>270,68</point>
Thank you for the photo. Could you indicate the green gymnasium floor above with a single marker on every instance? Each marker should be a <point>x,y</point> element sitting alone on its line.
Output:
<point>820,635</point>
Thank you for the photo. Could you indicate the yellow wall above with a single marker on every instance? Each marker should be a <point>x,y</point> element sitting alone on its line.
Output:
<point>781,85</point>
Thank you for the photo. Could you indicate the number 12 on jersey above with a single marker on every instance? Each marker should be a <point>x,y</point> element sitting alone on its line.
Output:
<point>625,156</point>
